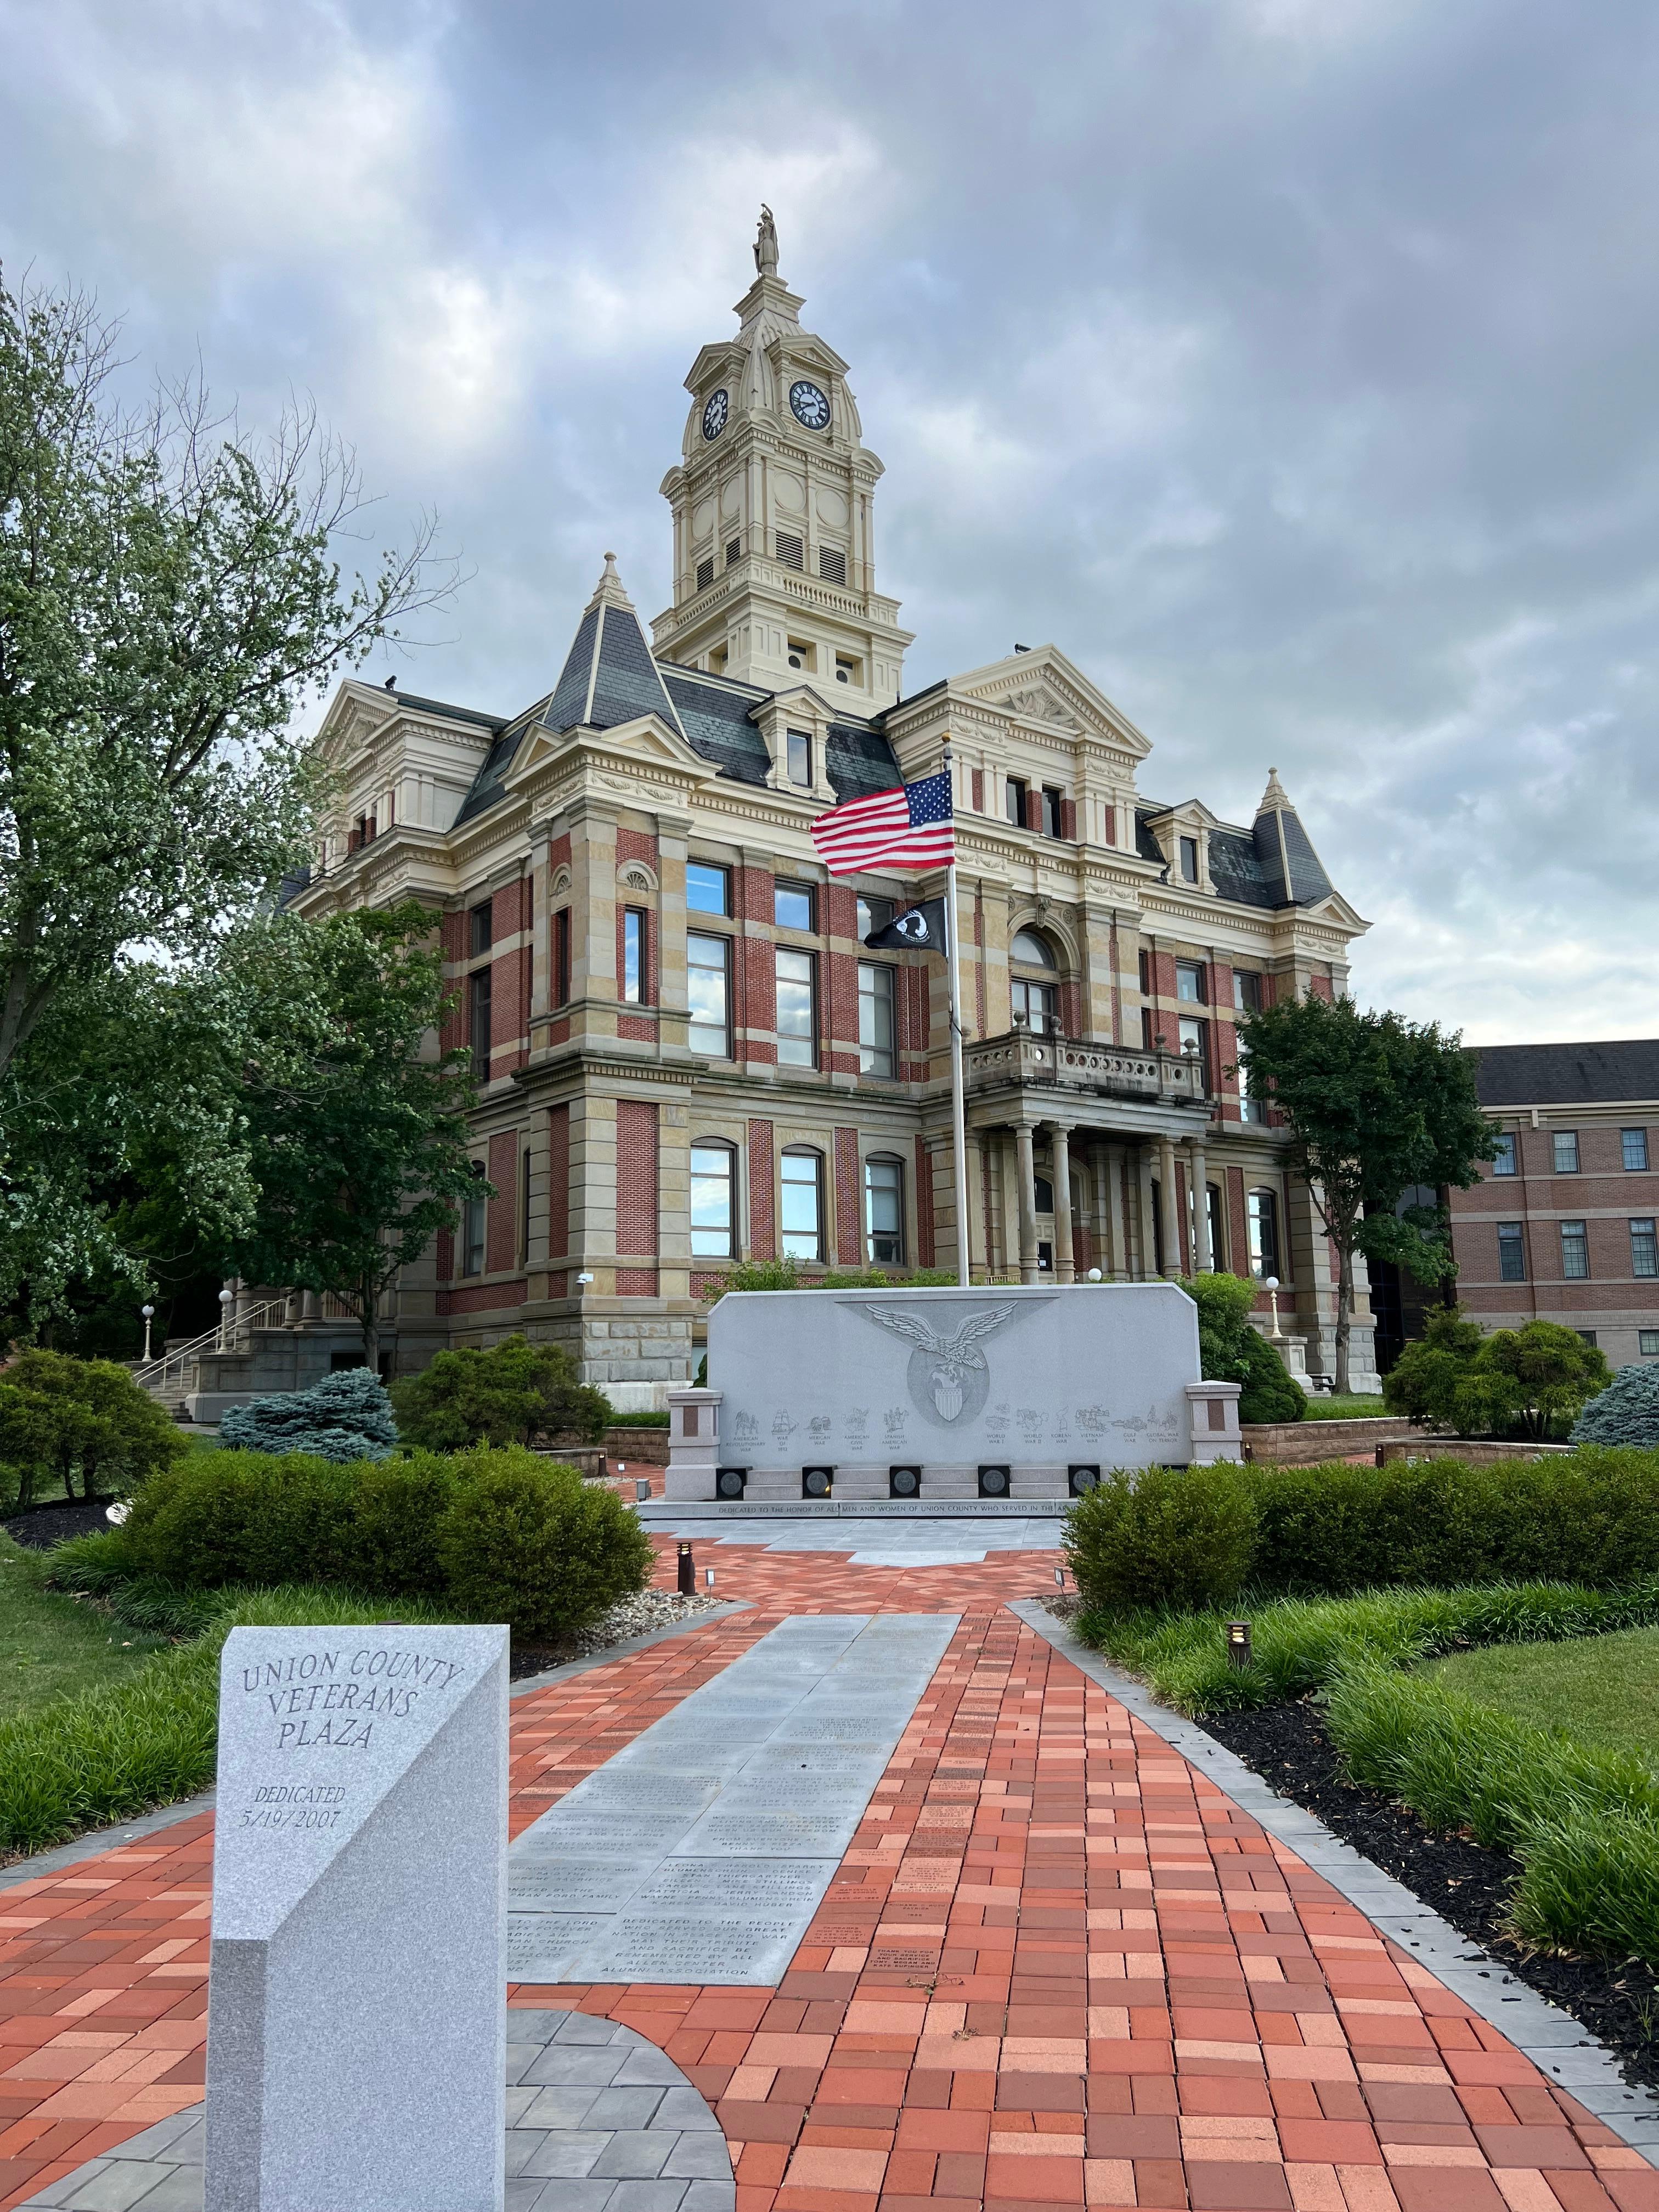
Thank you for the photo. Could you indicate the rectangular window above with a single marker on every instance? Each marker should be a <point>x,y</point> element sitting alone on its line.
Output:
<point>1575,1251</point>
<point>1146,973</point>
<point>1016,801</point>
<point>798,1028</point>
<point>876,1019</point>
<point>832,564</point>
<point>1512,1253</point>
<point>874,914</point>
<point>636,959</point>
<point>1565,1143</point>
<point>1586,1335</point>
<point>709,993</point>
<point>705,572</point>
<point>707,889</point>
<point>1261,1209</point>
<point>1633,1145</point>
<point>1643,1249</point>
<point>1247,992</point>
<point>713,1182</point>
<point>792,906</point>
<point>1037,1005</point>
<point>1189,982</point>
<point>800,756</point>
<point>1195,1045</point>
<point>561,958</point>
<point>474,1213</point>
<point>1053,800</point>
<point>883,1211</point>
<point>802,1208</point>
<point>479,926</point>
<point>1250,1109</point>
<point>477,1032</point>
<point>790,550</point>
<point>1148,1042</point>
<point>1505,1164</point>
<point>1647,1343</point>
<point>1189,860</point>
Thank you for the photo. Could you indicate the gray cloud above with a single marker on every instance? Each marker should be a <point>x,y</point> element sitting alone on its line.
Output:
<point>1288,362</point>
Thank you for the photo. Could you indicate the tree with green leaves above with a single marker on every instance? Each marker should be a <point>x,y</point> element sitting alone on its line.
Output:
<point>1375,1106</point>
<point>356,1123</point>
<point>169,591</point>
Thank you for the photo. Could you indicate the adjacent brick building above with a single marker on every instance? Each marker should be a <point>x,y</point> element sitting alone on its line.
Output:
<point>687,1056</point>
<point>1564,1226</point>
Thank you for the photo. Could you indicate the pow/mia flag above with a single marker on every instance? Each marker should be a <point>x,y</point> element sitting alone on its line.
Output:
<point>921,930</point>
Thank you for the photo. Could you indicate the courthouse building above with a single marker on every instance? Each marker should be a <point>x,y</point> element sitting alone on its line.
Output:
<point>686,1056</point>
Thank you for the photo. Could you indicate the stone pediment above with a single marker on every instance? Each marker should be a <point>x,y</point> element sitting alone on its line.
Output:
<point>1044,686</point>
<point>649,741</point>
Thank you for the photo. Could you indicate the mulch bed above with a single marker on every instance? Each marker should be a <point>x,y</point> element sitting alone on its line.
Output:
<point>43,1525</point>
<point>1465,1883</point>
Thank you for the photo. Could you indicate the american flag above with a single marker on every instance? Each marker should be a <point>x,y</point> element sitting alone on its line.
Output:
<point>910,827</point>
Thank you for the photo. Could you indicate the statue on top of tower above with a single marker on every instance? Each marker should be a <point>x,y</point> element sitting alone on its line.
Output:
<point>766,243</point>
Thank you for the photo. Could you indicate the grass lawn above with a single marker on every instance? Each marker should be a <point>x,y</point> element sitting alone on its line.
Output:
<point>51,1644</point>
<point>1601,1689</point>
<point>1350,1407</point>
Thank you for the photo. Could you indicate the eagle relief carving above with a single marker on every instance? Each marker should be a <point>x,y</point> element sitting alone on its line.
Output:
<point>948,1377</point>
<point>1041,707</point>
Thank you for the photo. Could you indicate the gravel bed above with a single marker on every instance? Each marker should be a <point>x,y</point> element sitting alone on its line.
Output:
<point>1467,1885</point>
<point>634,1616</point>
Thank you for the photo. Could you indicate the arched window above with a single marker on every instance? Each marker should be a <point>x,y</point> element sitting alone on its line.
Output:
<point>1036,997</point>
<point>884,1210</point>
<point>714,1201</point>
<point>1262,1209</point>
<point>802,1212</point>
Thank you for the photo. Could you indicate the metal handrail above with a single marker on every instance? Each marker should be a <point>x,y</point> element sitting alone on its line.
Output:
<point>157,1373</point>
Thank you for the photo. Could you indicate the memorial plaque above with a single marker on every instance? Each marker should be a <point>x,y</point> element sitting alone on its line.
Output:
<point>779,1885</point>
<point>838,1796</point>
<point>780,1836</point>
<point>602,1835</point>
<point>741,1948</point>
<point>567,1885</point>
<point>540,1946</point>
<point>838,1726</point>
<point>653,1789</point>
<point>357,2039</point>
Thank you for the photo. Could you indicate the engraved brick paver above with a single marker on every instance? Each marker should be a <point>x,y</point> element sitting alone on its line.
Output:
<point>1056,1967</point>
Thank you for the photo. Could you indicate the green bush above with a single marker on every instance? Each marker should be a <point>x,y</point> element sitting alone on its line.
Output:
<point>60,1419</point>
<point>510,1395</point>
<point>526,1541</point>
<point>1230,1350</point>
<point>1530,1381</point>
<point>1626,1413</point>
<point>1162,1536</point>
<point>346,1416</point>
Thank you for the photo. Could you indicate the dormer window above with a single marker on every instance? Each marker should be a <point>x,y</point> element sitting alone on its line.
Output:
<point>1189,860</point>
<point>800,758</point>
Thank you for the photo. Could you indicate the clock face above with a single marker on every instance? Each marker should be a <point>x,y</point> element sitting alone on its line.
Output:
<point>716,408</point>
<point>808,405</point>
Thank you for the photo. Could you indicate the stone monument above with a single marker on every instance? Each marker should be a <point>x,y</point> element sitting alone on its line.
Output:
<point>992,1394</point>
<point>356,2020</point>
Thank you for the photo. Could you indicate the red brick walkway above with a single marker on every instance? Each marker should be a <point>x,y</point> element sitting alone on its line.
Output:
<point>1056,1968</point>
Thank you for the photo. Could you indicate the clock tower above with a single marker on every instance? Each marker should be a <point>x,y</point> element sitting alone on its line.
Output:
<point>774,514</point>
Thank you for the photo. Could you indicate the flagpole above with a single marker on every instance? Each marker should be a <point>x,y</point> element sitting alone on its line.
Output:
<point>958,1111</point>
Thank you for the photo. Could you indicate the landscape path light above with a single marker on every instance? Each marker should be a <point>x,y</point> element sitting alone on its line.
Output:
<point>1239,1653</point>
<point>688,1577</point>
<point>642,1490</point>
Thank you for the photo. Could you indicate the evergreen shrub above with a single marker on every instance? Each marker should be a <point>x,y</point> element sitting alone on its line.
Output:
<point>1175,1536</point>
<point>346,1416</point>
<point>63,1418</point>
<point>1626,1413</point>
<point>510,1395</point>
<point>524,1540</point>
<point>1230,1350</point>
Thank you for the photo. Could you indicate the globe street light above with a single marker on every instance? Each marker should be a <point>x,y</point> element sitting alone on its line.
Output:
<point>148,1312</point>
<point>1271,1285</point>
<point>226,1299</point>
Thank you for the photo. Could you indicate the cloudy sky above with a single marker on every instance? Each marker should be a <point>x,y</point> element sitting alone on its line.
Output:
<point>1290,363</point>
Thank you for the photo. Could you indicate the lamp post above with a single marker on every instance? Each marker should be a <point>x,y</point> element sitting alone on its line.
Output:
<point>148,1312</point>
<point>226,1299</point>
<point>1270,1283</point>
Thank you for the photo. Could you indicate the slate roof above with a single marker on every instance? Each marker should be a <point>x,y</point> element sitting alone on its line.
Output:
<point>1271,865</point>
<point>1567,1074</point>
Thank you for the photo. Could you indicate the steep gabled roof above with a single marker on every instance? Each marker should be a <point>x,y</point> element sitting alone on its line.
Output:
<point>1272,864</point>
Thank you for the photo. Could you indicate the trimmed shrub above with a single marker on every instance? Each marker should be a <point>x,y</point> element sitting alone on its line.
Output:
<point>1626,1413</point>
<point>1270,1392</point>
<point>1530,1381</point>
<point>526,1542</point>
<point>510,1395</point>
<point>346,1416</point>
<point>1162,1536</point>
<point>245,1517</point>
<point>66,1418</point>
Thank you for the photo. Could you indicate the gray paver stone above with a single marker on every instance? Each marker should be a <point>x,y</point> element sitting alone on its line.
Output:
<point>699,2158</point>
<point>647,2197</point>
<point>710,2196</point>
<point>572,2151</point>
<point>183,2190</point>
<point>621,2107</point>
<point>634,2155</point>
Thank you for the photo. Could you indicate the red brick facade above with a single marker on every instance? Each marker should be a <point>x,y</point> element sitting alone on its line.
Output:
<point>636,1193</point>
<point>762,1212</point>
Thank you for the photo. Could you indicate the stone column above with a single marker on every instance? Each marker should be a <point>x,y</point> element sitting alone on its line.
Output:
<point>1117,1243</point>
<point>1029,1270</point>
<point>1147,1254</point>
<point>1061,1168</point>
<point>1203,1258</point>
<point>310,1306</point>
<point>1168,1219</point>
<point>979,1253</point>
